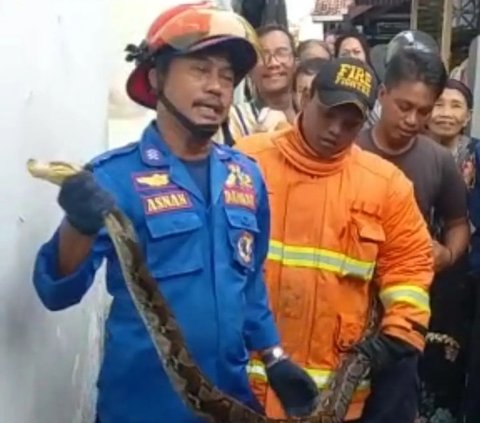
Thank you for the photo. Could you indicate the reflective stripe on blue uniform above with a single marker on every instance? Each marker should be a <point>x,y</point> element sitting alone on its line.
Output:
<point>207,260</point>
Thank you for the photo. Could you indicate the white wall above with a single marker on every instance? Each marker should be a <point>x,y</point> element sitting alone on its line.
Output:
<point>53,105</point>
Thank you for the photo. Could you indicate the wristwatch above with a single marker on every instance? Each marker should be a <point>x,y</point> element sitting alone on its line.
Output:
<point>273,356</point>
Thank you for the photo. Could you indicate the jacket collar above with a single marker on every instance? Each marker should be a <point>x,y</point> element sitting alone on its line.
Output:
<point>296,150</point>
<point>154,152</point>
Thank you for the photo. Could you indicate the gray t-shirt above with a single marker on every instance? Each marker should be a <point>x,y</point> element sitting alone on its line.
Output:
<point>373,116</point>
<point>439,187</point>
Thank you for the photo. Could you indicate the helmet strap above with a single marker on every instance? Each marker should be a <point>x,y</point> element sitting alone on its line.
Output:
<point>200,132</point>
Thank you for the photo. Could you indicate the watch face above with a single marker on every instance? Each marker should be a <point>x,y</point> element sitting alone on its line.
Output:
<point>277,352</point>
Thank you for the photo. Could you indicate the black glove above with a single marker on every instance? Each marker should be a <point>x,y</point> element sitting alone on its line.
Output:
<point>294,388</point>
<point>84,202</point>
<point>384,350</point>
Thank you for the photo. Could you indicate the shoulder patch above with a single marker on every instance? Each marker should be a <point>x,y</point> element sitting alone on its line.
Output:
<point>115,152</point>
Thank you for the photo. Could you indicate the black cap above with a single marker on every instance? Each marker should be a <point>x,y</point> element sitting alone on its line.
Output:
<point>344,81</point>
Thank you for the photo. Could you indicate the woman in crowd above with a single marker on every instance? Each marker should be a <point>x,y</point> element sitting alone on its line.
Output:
<point>451,115</point>
<point>443,368</point>
<point>302,79</point>
<point>354,45</point>
<point>330,38</point>
<point>312,49</point>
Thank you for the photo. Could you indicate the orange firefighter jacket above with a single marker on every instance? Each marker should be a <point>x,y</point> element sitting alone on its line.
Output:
<point>337,227</point>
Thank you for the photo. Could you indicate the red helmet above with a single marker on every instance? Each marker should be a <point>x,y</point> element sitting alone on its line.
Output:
<point>185,29</point>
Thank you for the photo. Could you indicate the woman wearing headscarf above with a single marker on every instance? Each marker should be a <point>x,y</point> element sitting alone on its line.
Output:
<point>443,367</point>
<point>353,44</point>
<point>450,116</point>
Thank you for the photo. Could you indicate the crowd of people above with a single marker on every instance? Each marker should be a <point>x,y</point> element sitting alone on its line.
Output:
<point>329,188</point>
<point>418,123</point>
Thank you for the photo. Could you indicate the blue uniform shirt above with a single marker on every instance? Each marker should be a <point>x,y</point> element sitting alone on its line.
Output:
<point>474,214</point>
<point>207,259</point>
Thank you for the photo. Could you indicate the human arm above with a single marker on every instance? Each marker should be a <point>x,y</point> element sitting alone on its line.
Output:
<point>456,237</point>
<point>403,275</point>
<point>451,208</point>
<point>405,266</point>
<point>65,266</point>
<point>69,259</point>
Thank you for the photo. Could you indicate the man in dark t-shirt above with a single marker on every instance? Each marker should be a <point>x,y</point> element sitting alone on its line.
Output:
<point>439,188</point>
<point>413,82</point>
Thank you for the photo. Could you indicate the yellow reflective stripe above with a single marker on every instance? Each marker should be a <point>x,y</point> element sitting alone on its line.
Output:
<point>317,258</point>
<point>256,370</point>
<point>406,293</point>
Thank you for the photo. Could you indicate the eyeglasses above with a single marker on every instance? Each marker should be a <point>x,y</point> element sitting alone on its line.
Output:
<point>281,55</point>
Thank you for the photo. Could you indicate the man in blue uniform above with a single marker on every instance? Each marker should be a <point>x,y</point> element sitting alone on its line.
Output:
<point>202,216</point>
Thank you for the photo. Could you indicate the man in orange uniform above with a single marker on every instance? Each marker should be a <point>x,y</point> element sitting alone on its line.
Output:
<point>342,219</point>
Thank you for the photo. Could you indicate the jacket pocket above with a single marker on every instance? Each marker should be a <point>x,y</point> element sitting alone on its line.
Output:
<point>174,244</point>
<point>242,229</point>
<point>366,234</point>
<point>350,330</point>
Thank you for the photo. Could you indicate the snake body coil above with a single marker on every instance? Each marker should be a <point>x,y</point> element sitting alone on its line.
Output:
<point>185,376</point>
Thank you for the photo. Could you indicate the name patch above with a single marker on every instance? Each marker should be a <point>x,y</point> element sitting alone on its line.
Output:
<point>151,180</point>
<point>236,197</point>
<point>355,77</point>
<point>172,200</point>
<point>238,190</point>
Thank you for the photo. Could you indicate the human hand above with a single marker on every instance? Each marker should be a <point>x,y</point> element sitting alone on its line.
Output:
<point>295,389</point>
<point>85,203</point>
<point>442,256</point>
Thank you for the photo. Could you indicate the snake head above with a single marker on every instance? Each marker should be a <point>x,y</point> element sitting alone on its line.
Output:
<point>55,171</point>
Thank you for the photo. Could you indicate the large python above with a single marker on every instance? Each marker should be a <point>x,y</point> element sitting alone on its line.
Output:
<point>191,384</point>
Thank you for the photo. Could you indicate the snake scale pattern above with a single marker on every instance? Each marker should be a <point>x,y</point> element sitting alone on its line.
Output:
<point>197,392</point>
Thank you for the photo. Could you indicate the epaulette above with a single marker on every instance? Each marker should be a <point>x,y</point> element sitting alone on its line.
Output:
<point>114,152</point>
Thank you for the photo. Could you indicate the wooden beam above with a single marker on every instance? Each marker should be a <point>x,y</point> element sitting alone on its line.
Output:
<point>414,14</point>
<point>446,43</point>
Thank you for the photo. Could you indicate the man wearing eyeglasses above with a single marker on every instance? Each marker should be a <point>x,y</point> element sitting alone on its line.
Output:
<point>272,85</point>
